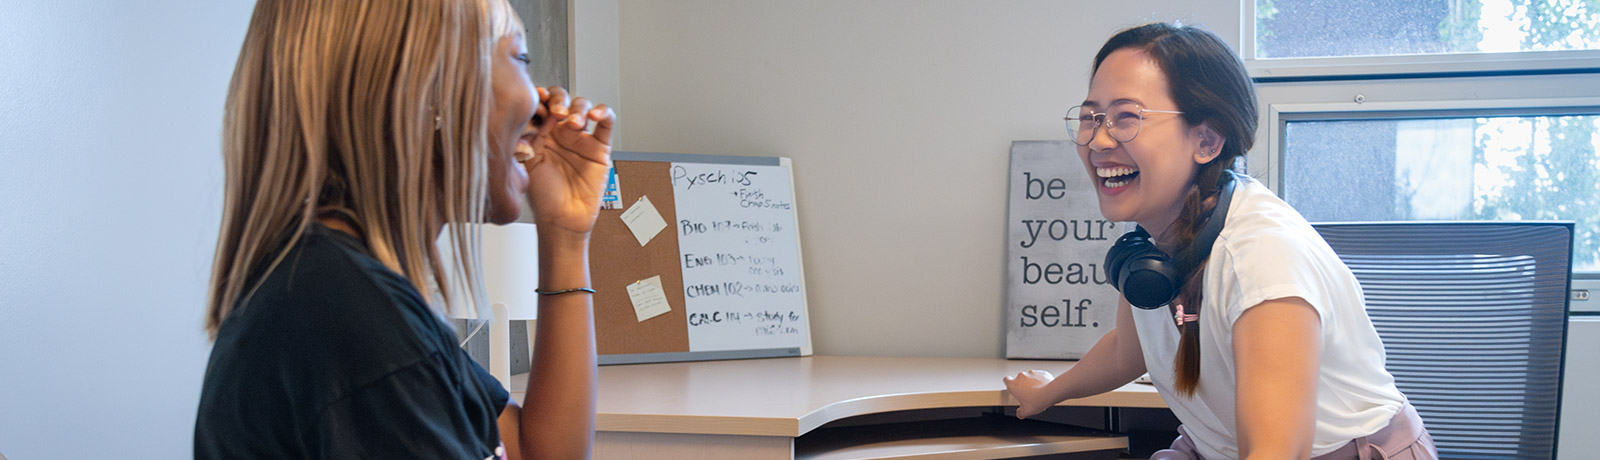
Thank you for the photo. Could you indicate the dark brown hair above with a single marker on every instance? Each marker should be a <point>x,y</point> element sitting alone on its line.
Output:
<point>1208,81</point>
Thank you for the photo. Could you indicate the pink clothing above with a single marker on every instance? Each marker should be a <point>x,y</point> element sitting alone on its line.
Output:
<point>1404,439</point>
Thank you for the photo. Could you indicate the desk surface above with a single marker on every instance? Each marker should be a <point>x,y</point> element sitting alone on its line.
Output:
<point>792,396</point>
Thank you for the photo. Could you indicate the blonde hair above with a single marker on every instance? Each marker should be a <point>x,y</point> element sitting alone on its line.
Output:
<point>376,109</point>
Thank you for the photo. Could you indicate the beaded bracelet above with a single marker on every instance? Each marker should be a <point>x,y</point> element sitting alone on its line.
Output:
<point>563,291</point>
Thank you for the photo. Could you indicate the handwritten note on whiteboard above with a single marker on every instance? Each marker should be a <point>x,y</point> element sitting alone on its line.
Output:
<point>736,233</point>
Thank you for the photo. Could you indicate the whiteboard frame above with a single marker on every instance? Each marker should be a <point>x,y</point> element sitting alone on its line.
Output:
<point>805,308</point>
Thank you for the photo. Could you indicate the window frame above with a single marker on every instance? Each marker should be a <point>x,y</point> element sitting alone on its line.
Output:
<point>1516,83</point>
<point>1278,114</point>
<point>1411,65</point>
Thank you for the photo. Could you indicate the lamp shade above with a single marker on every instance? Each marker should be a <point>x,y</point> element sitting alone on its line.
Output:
<point>510,255</point>
<point>511,268</point>
<point>510,271</point>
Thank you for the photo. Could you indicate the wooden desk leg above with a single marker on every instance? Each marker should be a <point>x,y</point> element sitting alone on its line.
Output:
<point>666,446</point>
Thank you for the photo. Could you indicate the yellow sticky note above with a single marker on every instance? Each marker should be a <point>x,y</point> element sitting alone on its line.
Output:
<point>649,298</point>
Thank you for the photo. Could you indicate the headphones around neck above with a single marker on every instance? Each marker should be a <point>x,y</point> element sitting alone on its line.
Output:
<point>1148,277</point>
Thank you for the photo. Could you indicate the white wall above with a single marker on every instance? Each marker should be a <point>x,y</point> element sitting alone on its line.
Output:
<point>594,56</point>
<point>899,116</point>
<point>111,177</point>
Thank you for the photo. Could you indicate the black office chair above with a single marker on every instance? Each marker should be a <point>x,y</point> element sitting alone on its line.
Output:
<point>1474,320</point>
<point>1473,317</point>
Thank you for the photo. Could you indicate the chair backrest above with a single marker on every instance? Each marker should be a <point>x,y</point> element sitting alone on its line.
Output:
<point>1473,317</point>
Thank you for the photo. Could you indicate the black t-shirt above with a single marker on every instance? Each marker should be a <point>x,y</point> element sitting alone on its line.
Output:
<point>335,357</point>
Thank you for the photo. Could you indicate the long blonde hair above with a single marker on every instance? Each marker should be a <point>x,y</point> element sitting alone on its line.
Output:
<point>376,109</point>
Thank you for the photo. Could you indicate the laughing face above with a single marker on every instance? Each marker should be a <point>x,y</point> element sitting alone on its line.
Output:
<point>514,100</point>
<point>1144,179</point>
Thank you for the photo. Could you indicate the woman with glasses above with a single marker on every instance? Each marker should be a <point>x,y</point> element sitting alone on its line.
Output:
<point>354,133</point>
<point>1251,328</point>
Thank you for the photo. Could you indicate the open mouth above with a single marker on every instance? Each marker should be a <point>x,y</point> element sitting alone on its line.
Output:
<point>1117,176</point>
<point>524,150</point>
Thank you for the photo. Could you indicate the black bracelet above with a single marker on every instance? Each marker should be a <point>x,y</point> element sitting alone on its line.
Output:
<point>563,291</point>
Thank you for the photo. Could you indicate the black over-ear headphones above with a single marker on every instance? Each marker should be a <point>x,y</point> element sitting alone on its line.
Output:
<point>1149,278</point>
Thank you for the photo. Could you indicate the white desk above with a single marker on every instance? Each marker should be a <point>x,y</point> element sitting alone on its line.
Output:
<point>756,408</point>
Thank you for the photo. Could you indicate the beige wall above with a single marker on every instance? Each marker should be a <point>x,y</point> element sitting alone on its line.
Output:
<point>594,56</point>
<point>899,116</point>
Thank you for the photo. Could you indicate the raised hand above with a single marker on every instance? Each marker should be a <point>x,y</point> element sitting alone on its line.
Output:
<point>568,165</point>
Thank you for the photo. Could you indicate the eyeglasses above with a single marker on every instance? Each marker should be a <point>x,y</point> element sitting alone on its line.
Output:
<point>1122,121</point>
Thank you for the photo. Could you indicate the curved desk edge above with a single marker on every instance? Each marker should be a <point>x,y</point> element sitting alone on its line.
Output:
<point>784,426</point>
<point>788,397</point>
<point>940,400</point>
<point>697,424</point>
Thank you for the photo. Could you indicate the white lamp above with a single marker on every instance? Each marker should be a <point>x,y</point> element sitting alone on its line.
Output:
<point>510,275</point>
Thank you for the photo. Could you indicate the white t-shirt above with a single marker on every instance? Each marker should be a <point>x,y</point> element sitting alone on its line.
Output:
<point>1267,251</point>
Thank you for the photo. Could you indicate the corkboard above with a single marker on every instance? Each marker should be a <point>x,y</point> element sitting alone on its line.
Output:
<point>739,295</point>
<point>617,260</point>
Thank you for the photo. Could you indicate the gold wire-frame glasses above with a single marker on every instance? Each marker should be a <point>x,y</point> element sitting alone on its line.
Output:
<point>1122,121</point>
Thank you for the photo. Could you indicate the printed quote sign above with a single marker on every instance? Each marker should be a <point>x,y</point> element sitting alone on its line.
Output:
<point>1058,299</point>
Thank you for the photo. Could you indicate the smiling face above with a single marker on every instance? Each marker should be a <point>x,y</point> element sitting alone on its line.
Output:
<point>513,102</point>
<point>1143,180</point>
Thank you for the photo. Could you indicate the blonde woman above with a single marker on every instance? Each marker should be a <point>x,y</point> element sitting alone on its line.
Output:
<point>355,132</point>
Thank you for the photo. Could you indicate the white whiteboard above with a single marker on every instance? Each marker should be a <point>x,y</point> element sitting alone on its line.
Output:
<point>729,261</point>
<point>741,274</point>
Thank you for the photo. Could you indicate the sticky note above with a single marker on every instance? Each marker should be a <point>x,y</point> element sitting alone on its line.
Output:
<point>649,299</point>
<point>644,220</point>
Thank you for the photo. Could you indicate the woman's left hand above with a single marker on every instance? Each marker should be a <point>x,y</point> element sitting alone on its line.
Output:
<point>1028,389</point>
<point>569,168</point>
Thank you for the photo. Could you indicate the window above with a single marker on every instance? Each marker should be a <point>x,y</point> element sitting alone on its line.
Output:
<point>1432,110</point>
<point>1301,28</point>
<point>1501,167</point>
<point>1293,39</point>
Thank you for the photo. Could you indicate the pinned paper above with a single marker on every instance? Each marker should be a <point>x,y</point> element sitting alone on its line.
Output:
<point>612,199</point>
<point>644,220</point>
<point>649,299</point>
